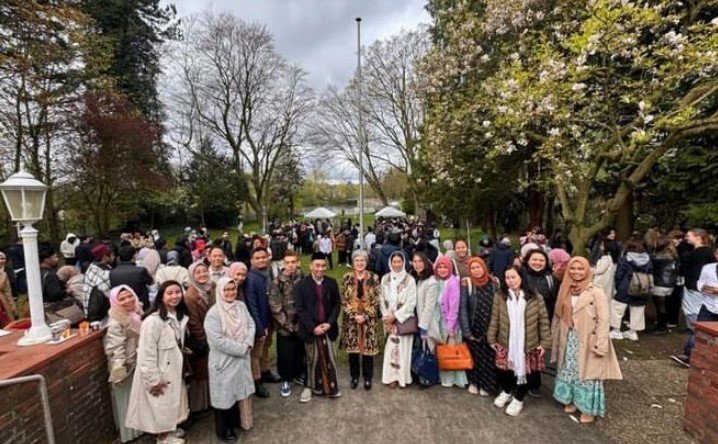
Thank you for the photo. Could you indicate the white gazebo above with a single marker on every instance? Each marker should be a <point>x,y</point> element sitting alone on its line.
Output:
<point>390,212</point>
<point>320,213</point>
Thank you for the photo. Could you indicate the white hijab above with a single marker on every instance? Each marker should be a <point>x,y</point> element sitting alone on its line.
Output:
<point>395,279</point>
<point>516,305</point>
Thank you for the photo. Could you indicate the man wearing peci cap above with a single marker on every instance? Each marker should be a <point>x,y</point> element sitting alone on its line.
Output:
<point>98,273</point>
<point>317,306</point>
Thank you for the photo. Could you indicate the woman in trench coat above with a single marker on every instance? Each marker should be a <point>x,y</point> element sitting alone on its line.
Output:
<point>158,401</point>
<point>230,333</point>
<point>581,345</point>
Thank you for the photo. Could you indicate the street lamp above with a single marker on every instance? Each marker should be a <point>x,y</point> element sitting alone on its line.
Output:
<point>24,197</point>
<point>362,139</point>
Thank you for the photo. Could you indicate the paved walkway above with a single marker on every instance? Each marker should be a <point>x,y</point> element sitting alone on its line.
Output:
<point>647,406</point>
<point>383,415</point>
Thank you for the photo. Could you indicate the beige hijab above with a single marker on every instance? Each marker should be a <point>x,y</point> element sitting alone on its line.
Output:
<point>230,313</point>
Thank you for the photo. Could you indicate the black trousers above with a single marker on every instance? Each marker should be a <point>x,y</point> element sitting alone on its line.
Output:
<point>661,311</point>
<point>290,357</point>
<point>367,366</point>
<point>507,382</point>
<point>673,304</point>
<point>533,380</point>
<point>330,261</point>
<point>226,419</point>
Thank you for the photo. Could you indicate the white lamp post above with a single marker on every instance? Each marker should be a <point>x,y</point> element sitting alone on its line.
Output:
<point>25,200</point>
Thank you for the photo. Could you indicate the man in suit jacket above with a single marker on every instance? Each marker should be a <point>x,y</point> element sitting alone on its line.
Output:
<point>317,305</point>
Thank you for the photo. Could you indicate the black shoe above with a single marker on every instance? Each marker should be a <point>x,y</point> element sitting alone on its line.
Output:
<point>354,383</point>
<point>534,393</point>
<point>228,436</point>
<point>367,384</point>
<point>271,378</point>
<point>260,391</point>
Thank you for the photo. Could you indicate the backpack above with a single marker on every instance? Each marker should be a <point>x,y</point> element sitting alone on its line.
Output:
<point>641,284</point>
<point>98,305</point>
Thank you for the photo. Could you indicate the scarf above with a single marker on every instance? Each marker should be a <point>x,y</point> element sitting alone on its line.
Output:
<point>119,312</point>
<point>233,267</point>
<point>516,305</point>
<point>564,306</point>
<point>202,289</point>
<point>485,278</point>
<point>230,313</point>
<point>396,278</point>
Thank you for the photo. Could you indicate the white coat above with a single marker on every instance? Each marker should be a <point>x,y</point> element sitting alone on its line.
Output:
<point>230,370</point>
<point>159,358</point>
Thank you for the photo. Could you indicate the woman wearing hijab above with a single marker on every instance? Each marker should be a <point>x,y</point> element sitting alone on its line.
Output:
<point>477,296</point>
<point>198,303</point>
<point>237,271</point>
<point>230,333</point>
<point>559,258</point>
<point>7,304</point>
<point>121,341</point>
<point>581,345</point>
<point>360,300</point>
<point>398,300</point>
<point>449,327</point>
<point>519,332</point>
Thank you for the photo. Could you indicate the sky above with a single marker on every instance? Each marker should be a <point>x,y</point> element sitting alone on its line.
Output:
<point>320,35</point>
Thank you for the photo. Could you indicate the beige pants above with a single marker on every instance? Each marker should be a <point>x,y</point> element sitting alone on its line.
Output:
<point>638,316</point>
<point>260,355</point>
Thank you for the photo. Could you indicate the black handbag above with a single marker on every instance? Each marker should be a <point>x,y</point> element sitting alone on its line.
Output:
<point>98,305</point>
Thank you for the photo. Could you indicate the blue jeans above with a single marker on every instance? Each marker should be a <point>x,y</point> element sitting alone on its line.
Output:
<point>703,316</point>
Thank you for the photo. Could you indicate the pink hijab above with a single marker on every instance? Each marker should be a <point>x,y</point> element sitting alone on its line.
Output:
<point>233,267</point>
<point>136,315</point>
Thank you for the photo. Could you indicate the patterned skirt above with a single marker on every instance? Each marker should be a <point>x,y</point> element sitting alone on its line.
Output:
<point>587,395</point>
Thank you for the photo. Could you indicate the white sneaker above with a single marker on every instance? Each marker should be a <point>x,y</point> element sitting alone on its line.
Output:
<point>615,334</point>
<point>306,395</point>
<point>473,390</point>
<point>177,433</point>
<point>483,393</point>
<point>503,399</point>
<point>630,335</point>
<point>514,408</point>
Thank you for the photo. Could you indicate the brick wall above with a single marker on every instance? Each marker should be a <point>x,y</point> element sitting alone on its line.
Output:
<point>80,401</point>
<point>701,406</point>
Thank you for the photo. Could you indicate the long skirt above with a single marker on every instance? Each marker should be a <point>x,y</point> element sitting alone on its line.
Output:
<point>587,395</point>
<point>397,360</point>
<point>120,401</point>
<point>321,367</point>
<point>198,395</point>
<point>483,375</point>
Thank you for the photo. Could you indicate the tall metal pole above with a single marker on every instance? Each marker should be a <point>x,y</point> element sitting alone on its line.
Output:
<point>361,137</point>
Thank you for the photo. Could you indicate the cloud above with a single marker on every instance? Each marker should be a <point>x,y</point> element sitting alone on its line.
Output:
<point>320,35</point>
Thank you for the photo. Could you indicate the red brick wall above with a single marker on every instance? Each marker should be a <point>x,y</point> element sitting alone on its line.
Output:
<point>701,406</point>
<point>80,401</point>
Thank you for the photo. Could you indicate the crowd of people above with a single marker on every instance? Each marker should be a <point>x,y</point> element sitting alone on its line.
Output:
<point>189,328</point>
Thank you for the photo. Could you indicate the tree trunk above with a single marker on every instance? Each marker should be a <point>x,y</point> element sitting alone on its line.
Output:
<point>490,224</point>
<point>625,219</point>
<point>536,207</point>
<point>579,239</point>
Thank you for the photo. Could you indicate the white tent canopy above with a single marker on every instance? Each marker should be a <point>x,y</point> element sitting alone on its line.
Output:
<point>320,213</point>
<point>390,212</point>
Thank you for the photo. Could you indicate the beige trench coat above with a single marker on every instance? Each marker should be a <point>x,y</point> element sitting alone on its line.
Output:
<point>596,356</point>
<point>159,358</point>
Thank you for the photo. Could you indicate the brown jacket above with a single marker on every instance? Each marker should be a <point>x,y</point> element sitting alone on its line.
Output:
<point>197,310</point>
<point>538,329</point>
<point>8,304</point>
<point>596,356</point>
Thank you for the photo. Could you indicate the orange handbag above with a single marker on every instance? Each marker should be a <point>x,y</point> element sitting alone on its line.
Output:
<point>454,357</point>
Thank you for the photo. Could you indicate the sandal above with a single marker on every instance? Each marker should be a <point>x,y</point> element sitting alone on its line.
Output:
<point>586,419</point>
<point>570,408</point>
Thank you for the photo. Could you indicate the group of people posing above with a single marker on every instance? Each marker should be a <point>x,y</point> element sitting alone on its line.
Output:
<point>205,342</point>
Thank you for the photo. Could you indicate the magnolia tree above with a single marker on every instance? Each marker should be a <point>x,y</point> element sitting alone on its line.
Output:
<point>596,92</point>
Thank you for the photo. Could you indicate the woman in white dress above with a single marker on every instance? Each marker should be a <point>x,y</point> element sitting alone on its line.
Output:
<point>398,300</point>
